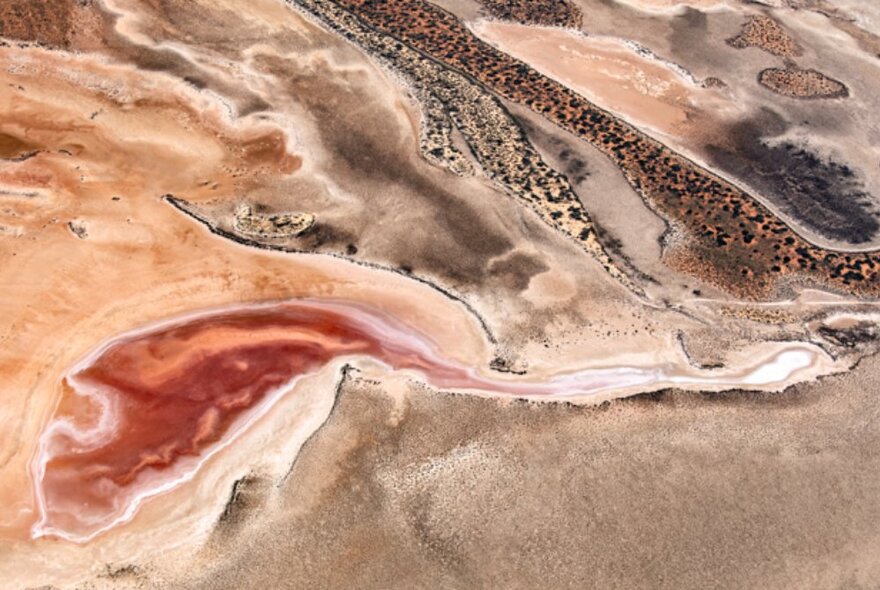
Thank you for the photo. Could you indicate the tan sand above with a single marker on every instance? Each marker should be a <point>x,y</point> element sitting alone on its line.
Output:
<point>665,6</point>
<point>610,73</point>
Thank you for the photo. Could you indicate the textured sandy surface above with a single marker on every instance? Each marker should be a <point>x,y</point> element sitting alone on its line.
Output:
<point>164,158</point>
<point>679,491</point>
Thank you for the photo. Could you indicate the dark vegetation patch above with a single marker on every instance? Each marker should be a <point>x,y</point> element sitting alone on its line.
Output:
<point>551,13</point>
<point>516,271</point>
<point>791,397</point>
<point>860,333</point>
<point>574,167</point>
<point>729,238</point>
<point>824,196</point>
<point>768,35</point>
<point>797,83</point>
<point>325,236</point>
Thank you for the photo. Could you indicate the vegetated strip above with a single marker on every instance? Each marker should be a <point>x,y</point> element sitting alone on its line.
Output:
<point>495,139</point>
<point>729,237</point>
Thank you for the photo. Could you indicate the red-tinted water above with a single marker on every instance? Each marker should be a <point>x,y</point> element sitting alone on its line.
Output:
<point>139,415</point>
<point>147,401</point>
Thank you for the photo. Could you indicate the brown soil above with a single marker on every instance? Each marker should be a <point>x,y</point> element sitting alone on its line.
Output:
<point>53,23</point>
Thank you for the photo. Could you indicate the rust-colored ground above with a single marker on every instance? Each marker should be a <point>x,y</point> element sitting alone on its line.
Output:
<point>52,23</point>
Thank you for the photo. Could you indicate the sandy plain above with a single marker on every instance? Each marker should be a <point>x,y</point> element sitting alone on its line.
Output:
<point>221,106</point>
<point>784,485</point>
